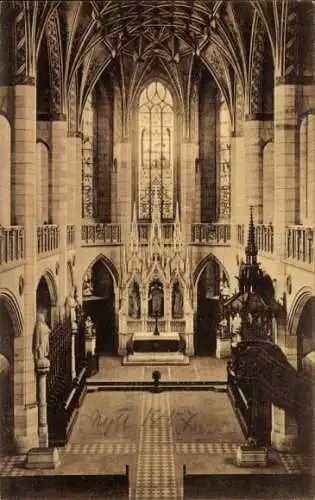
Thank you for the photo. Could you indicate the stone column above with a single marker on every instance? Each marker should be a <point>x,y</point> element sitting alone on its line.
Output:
<point>42,457</point>
<point>74,208</point>
<point>285,169</point>
<point>187,187</point>
<point>311,167</point>
<point>59,199</point>
<point>122,154</point>
<point>239,213</point>
<point>254,167</point>
<point>24,213</point>
<point>42,370</point>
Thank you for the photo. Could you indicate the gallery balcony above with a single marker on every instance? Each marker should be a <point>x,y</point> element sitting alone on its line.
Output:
<point>95,234</point>
<point>47,238</point>
<point>300,244</point>
<point>214,234</point>
<point>11,244</point>
<point>264,238</point>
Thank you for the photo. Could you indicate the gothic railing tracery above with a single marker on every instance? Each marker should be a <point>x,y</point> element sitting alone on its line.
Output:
<point>100,234</point>
<point>300,244</point>
<point>47,238</point>
<point>70,235</point>
<point>264,237</point>
<point>144,230</point>
<point>11,244</point>
<point>240,234</point>
<point>211,234</point>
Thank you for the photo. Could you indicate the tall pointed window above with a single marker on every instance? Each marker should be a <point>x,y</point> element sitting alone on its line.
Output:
<point>224,162</point>
<point>156,132</point>
<point>87,160</point>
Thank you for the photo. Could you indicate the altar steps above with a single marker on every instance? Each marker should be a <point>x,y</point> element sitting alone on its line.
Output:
<point>156,358</point>
<point>106,385</point>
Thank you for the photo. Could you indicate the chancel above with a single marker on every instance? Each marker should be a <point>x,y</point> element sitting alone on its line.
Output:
<point>157,215</point>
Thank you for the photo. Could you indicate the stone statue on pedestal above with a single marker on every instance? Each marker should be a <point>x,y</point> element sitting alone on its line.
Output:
<point>70,307</point>
<point>41,337</point>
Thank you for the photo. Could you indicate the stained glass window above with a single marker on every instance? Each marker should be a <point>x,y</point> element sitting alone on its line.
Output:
<point>87,160</point>
<point>156,131</point>
<point>225,162</point>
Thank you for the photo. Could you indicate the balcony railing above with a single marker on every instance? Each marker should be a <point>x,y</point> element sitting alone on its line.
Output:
<point>47,238</point>
<point>70,235</point>
<point>240,234</point>
<point>145,232</point>
<point>300,244</point>
<point>100,234</point>
<point>211,234</point>
<point>11,244</point>
<point>264,238</point>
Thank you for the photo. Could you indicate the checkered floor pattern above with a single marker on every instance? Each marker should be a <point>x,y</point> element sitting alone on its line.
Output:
<point>295,463</point>
<point>100,449</point>
<point>206,448</point>
<point>155,476</point>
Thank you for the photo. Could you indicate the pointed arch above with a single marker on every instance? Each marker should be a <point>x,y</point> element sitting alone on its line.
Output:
<point>110,266</point>
<point>298,304</point>
<point>202,264</point>
<point>13,310</point>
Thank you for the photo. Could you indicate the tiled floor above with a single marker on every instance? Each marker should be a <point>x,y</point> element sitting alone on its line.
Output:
<point>156,434</point>
<point>199,369</point>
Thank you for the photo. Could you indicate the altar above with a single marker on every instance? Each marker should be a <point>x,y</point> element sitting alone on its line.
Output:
<point>156,313</point>
<point>147,348</point>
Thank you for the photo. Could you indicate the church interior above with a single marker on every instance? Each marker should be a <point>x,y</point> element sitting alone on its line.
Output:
<point>157,260</point>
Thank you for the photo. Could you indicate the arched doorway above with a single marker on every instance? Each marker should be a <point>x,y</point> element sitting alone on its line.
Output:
<point>100,306</point>
<point>6,379</point>
<point>207,316</point>
<point>305,338</point>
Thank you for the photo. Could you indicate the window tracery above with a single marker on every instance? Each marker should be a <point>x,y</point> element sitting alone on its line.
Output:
<point>156,132</point>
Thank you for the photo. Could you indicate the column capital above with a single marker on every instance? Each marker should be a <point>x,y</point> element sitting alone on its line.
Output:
<point>42,366</point>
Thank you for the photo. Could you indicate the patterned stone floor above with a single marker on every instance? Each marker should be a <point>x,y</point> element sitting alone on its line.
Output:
<point>156,435</point>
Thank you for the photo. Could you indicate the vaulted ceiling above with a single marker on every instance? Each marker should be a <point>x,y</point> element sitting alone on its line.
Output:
<point>235,41</point>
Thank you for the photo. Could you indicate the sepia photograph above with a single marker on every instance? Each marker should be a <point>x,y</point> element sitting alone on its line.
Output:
<point>157,254</point>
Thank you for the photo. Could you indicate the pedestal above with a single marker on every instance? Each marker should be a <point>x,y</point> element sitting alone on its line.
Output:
<point>223,349</point>
<point>42,458</point>
<point>251,456</point>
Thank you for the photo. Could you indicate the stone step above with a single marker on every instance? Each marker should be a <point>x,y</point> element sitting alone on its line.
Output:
<point>156,358</point>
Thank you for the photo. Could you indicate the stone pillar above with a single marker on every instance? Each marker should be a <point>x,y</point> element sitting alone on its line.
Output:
<point>42,457</point>
<point>24,213</point>
<point>311,167</point>
<point>113,192</point>
<point>59,200</point>
<point>124,187</point>
<point>187,187</point>
<point>284,430</point>
<point>198,193</point>
<point>285,169</point>
<point>254,167</point>
<point>5,184</point>
<point>42,369</point>
<point>239,213</point>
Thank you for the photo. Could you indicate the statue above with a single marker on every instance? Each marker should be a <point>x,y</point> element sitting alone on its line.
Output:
<point>78,306</point>
<point>89,327</point>
<point>177,301</point>
<point>134,302</point>
<point>156,300</point>
<point>87,287</point>
<point>70,307</point>
<point>41,337</point>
